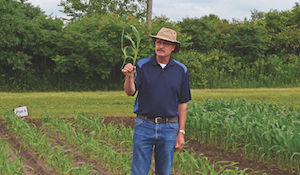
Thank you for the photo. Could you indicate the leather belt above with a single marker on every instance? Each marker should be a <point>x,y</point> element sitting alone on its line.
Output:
<point>158,119</point>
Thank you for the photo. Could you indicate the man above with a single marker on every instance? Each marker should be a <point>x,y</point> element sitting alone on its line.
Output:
<point>161,105</point>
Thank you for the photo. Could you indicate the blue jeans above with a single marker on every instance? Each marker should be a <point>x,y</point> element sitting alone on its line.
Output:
<point>162,137</point>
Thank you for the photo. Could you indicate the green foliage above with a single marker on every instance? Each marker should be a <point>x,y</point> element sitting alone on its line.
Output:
<point>27,40</point>
<point>248,41</point>
<point>41,53</point>
<point>78,9</point>
<point>26,35</point>
<point>288,40</point>
<point>219,69</point>
<point>295,17</point>
<point>91,47</point>
<point>14,32</point>
<point>283,31</point>
<point>203,32</point>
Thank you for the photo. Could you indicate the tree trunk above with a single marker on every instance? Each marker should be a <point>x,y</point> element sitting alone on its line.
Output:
<point>149,12</point>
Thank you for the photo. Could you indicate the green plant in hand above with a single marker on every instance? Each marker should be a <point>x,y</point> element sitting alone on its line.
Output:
<point>134,45</point>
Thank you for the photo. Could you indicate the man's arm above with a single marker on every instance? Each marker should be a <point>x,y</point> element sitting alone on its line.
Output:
<point>182,110</point>
<point>129,86</point>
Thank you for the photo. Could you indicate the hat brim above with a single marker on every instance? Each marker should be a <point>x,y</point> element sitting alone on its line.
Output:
<point>177,43</point>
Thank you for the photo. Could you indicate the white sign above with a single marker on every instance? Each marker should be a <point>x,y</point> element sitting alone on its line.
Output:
<point>21,111</point>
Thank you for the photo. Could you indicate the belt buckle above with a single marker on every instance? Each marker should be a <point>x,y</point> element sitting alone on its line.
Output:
<point>156,119</point>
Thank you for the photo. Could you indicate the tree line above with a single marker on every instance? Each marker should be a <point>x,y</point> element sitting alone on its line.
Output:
<point>45,53</point>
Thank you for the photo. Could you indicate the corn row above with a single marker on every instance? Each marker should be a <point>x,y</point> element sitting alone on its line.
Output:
<point>262,131</point>
<point>7,166</point>
<point>116,135</point>
<point>116,161</point>
<point>56,156</point>
<point>188,163</point>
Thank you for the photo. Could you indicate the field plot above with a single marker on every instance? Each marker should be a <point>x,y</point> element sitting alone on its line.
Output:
<point>82,144</point>
<point>261,132</point>
<point>8,164</point>
<point>223,137</point>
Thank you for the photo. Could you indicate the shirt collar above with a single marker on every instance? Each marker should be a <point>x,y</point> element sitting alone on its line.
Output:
<point>154,62</point>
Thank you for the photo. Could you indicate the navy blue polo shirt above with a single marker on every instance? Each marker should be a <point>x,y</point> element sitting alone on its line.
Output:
<point>160,90</point>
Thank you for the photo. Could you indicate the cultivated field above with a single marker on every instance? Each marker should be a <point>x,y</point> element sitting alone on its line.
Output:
<point>243,131</point>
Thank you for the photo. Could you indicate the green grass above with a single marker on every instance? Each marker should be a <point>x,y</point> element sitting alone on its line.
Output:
<point>279,96</point>
<point>116,103</point>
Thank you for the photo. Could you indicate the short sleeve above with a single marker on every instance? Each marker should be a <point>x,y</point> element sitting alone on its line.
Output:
<point>185,93</point>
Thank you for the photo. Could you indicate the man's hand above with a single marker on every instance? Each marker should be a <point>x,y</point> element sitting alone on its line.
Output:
<point>129,86</point>
<point>179,141</point>
<point>182,110</point>
<point>129,70</point>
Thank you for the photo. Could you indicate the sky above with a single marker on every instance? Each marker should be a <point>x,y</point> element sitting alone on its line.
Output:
<point>176,10</point>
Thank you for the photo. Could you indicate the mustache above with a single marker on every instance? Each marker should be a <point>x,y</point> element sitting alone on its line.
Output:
<point>160,50</point>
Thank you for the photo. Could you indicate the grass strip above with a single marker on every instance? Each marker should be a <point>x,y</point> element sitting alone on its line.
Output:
<point>116,103</point>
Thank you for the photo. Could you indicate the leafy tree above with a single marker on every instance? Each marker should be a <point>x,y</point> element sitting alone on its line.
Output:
<point>283,31</point>
<point>25,35</point>
<point>91,46</point>
<point>295,15</point>
<point>78,8</point>
<point>248,41</point>
<point>203,32</point>
<point>257,15</point>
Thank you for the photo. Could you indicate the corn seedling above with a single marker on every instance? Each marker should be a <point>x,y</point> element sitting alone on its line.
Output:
<point>7,166</point>
<point>135,45</point>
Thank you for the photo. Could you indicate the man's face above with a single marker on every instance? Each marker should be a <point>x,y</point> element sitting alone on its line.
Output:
<point>163,48</point>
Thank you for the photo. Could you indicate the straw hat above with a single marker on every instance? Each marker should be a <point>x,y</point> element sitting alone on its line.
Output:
<point>167,35</point>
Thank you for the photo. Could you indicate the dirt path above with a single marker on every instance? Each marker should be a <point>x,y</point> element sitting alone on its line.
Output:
<point>29,159</point>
